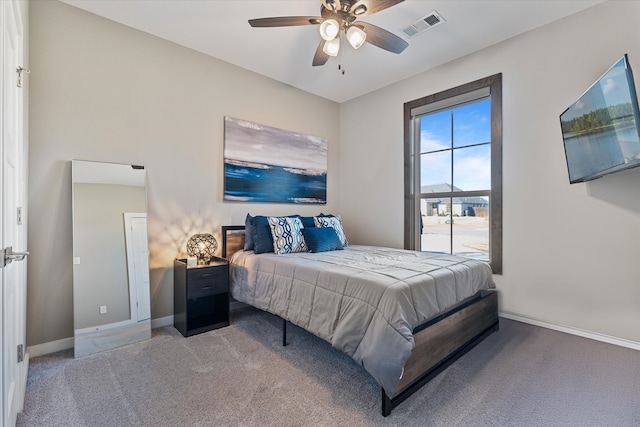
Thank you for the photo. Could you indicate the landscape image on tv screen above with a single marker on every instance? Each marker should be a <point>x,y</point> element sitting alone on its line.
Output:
<point>600,130</point>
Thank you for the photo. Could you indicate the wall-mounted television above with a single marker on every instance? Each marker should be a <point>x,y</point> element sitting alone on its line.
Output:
<point>601,129</point>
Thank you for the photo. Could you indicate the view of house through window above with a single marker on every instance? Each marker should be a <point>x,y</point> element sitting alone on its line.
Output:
<point>455,179</point>
<point>453,172</point>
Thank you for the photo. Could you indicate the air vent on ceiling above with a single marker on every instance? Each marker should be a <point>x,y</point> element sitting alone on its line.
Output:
<point>423,24</point>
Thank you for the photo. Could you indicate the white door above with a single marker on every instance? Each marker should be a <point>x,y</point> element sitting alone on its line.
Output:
<point>13,233</point>
<point>138,265</point>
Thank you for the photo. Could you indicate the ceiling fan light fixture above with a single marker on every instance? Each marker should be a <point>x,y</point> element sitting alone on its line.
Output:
<point>332,47</point>
<point>338,24</point>
<point>329,29</point>
<point>359,10</point>
<point>330,5</point>
<point>356,36</point>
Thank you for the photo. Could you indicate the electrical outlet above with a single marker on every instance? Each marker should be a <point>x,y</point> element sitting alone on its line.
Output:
<point>103,309</point>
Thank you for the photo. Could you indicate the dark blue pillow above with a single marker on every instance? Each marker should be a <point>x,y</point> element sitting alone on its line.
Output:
<point>307,221</point>
<point>321,239</point>
<point>261,233</point>
<point>262,238</point>
<point>248,233</point>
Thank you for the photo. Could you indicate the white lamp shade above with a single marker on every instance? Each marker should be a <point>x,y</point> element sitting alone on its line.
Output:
<point>356,36</point>
<point>332,47</point>
<point>329,29</point>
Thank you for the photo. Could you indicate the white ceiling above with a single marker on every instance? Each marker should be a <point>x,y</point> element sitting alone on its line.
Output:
<point>219,28</point>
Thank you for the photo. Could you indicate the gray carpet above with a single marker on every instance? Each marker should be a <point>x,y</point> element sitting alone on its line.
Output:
<point>242,376</point>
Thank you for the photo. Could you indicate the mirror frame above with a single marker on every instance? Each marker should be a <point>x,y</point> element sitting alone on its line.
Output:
<point>91,336</point>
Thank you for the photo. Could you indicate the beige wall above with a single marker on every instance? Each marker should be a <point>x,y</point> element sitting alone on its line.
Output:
<point>102,91</point>
<point>571,252</point>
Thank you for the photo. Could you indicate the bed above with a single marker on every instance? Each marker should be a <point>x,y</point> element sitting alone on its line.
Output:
<point>403,315</point>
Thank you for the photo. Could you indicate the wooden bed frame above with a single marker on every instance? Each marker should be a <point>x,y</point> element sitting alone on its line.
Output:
<point>438,342</point>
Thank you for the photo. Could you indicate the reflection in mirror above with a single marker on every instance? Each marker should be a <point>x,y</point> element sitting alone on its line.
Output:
<point>111,304</point>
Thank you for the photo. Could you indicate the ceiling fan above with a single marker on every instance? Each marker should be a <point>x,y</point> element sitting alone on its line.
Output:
<point>338,22</point>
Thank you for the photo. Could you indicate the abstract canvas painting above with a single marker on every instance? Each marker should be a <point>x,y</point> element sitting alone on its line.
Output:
<point>266,164</point>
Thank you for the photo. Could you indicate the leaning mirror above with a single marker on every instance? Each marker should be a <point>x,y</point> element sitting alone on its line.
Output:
<point>111,305</point>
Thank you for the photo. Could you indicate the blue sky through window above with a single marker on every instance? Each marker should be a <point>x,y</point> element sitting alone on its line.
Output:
<point>460,128</point>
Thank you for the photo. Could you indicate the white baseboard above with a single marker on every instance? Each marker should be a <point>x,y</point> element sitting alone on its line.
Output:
<point>573,331</point>
<point>162,321</point>
<point>50,347</point>
<point>66,343</point>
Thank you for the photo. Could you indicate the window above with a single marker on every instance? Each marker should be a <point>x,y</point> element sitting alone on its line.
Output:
<point>453,172</point>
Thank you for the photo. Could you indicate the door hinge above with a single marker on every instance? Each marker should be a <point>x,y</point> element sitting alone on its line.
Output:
<point>20,353</point>
<point>9,256</point>
<point>20,70</point>
<point>19,215</point>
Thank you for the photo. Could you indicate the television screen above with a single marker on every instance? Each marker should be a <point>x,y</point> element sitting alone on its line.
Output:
<point>601,130</point>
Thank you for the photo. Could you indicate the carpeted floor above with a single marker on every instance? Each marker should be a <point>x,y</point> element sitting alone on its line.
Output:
<point>242,376</point>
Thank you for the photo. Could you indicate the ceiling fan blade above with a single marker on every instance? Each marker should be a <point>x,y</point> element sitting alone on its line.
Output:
<point>285,21</point>
<point>373,6</point>
<point>382,38</point>
<point>320,58</point>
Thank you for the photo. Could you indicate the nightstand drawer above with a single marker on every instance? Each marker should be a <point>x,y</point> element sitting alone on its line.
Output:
<point>217,274</point>
<point>207,287</point>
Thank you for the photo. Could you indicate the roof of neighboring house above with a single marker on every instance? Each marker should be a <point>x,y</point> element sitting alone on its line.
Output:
<point>463,200</point>
<point>439,188</point>
<point>447,188</point>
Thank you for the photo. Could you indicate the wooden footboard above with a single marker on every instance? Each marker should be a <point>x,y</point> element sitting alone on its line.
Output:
<point>442,341</point>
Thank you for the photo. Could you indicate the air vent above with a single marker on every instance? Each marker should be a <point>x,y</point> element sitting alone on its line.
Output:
<point>423,24</point>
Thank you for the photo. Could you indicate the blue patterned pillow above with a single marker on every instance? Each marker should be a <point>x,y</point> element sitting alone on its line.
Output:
<point>334,222</point>
<point>321,239</point>
<point>287,236</point>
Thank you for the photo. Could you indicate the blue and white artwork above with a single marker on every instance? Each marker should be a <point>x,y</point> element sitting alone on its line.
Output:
<point>266,164</point>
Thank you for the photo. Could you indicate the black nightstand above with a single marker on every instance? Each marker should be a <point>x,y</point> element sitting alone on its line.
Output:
<point>200,296</point>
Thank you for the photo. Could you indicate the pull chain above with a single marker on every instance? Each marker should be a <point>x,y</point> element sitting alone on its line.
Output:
<point>343,38</point>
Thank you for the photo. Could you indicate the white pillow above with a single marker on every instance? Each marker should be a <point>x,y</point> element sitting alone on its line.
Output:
<point>332,221</point>
<point>287,235</point>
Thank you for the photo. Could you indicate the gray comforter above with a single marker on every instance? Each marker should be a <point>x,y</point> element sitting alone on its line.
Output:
<point>364,300</point>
